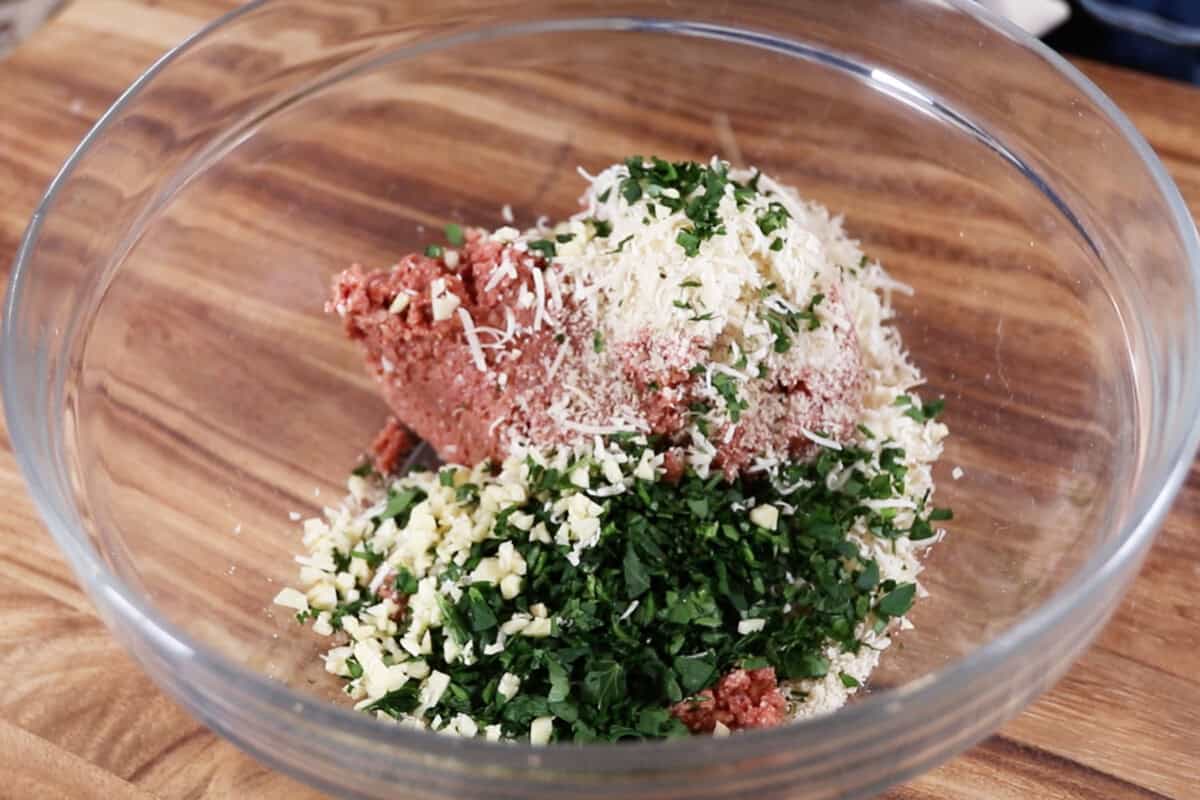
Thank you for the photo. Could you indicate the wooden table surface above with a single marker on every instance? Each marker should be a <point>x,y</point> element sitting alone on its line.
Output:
<point>79,719</point>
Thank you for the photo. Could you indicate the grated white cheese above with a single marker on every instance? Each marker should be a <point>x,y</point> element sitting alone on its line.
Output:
<point>472,339</point>
<point>539,310</point>
<point>824,441</point>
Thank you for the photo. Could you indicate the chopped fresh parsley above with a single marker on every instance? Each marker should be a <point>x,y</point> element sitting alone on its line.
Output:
<point>649,616</point>
<point>898,601</point>
<point>621,244</point>
<point>400,503</point>
<point>809,314</point>
<point>920,413</point>
<point>682,186</point>
<point>405,582</point>
<point>372,558</point>
<point>433,251</point>
<point>598,341</point>
<point>454,234</point>
<point>774,218</point>
<point>689,240</point>
<point>784,324</point>
<point>544,246</point>
<point>726,386</point>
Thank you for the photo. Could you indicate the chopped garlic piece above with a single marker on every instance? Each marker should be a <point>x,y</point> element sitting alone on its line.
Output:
<point>765,516</point>
<point>540,731</point>
<point>291,598</point>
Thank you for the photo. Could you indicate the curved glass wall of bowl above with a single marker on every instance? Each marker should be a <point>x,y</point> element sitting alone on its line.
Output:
<point>174,388</point>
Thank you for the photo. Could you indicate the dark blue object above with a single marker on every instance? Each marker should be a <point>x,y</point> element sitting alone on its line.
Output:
<point>1160,36</point>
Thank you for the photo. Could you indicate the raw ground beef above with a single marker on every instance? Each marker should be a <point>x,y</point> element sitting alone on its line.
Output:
<point>554,371</point>
<point>742,699</point>
<point>390,447</point>
<point>425,367</point>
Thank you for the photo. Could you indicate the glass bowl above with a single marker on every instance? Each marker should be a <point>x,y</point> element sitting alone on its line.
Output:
<point>174,390</point>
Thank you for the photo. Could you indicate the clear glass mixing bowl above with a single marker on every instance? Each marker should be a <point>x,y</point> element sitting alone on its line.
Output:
<point>173,389</point>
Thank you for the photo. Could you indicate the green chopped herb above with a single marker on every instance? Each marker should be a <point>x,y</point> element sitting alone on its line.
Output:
<point>649,615</point>
<point>631,190</point>
<point>621,244</point>
<point>454,234</point>
<point>604,683</point>
<point>809,314</point>
<point>868,578</point>
<point>637,580</point>
<point>398,702</point>
<point>544,246</point>
<point>563,238</point>
<point>920,413</point>
<point>849,681</point>
<point>433,251</point>
<point>603,227</point>
<point>898,601</point>
<point>727,388</point>
<point>405,582</point>
<point>603,196</point>
<point>400,503</point>
<point>598,341</point>
<point>480,612</point>
<point>691,283</point>
<point>689,241</point>
<point>560,681</point>
<point>686,187</point>
<point>695,672</point>
<point>373,559</point>
<point>347,609</point>
<point>354,668</point>
<point>783,324</point>
<point>774,218</point>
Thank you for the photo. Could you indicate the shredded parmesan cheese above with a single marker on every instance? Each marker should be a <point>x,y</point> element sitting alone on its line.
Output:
<point>472,339</point>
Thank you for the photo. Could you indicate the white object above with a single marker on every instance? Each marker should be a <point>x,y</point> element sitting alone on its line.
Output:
<point>1037,17</point>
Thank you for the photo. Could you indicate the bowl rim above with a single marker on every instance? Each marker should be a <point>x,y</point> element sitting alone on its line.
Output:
<point>1109,559</point>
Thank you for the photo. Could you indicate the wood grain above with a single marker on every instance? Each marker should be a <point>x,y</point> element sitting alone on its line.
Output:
<point>34,767</point>
<point>81,720</point>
